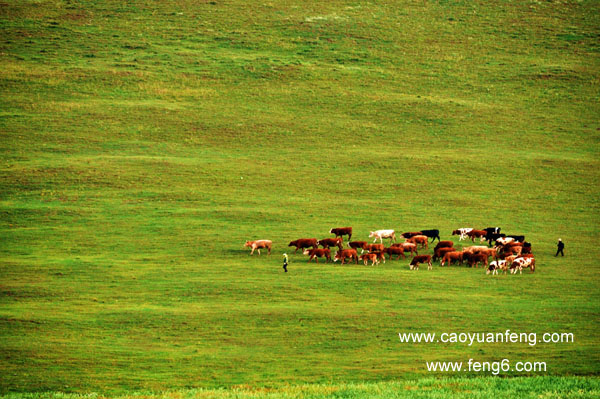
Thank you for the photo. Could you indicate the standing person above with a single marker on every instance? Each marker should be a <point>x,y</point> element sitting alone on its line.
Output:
<point>560,246</point>
<point>285,262</point>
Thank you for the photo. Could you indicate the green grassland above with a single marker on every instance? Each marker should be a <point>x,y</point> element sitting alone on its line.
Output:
<point>143,142</point>
<point>424,388</point>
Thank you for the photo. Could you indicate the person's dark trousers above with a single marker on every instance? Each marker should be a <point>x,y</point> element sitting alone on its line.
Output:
<point>560,251</point>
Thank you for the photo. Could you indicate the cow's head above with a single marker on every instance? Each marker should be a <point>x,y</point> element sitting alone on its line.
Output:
<point>247,244</point>
<point>306,252</point>
<point>371,234</point>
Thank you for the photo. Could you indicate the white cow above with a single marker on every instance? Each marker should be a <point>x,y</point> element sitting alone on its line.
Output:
<point>381,234</point>
<point>495,265</point>
<point>522,263</point>
<point>462,233</point>
<point>505,240</point>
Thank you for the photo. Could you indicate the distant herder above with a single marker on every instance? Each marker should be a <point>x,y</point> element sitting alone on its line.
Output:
<point>285,262</point>
<point>560,246</point>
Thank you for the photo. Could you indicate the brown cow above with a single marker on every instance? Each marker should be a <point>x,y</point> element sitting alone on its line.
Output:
<point>304,243</point>
<point>357,244</point>
<point>475,249</point>
<point>477,234</point>
<point>342,231</point>
<point>395,250</point>
<point>373,247</point>
<point>407,246</point>
<point>491,252</point>
<point>423,240</point>
<point>511,248</point>
<point>475,258</point>
<point>318,253</point>
<point>414,263</point>
<point>346,253</point>
<point>449,257</point>
<point>444,244</point>
<point>258,244</point>
<point>439,253</point>
<point>331,242</point>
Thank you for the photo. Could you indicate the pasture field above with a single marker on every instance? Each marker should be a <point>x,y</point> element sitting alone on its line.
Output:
<point>143,142</point>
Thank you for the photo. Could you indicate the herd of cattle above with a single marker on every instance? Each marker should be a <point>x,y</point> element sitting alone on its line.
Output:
<point>509,252</point>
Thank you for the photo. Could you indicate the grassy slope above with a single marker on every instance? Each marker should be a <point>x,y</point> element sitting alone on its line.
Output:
<point>144,142</point>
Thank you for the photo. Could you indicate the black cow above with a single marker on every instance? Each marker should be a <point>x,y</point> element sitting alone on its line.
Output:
<point>433,234</point>
<point>493,237</point>
<point>492,234</point>
<point>517,238</point>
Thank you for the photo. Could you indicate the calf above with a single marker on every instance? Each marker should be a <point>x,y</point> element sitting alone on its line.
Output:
<point>492,268</point>
<point>449,257</point>
<point>258,244</point>
<point>414,263</point>
<point>331,242</point>
<point>304,243</point>
<point>373,257</point>
<point>433,234</point>
<point>346,253</point>
<point>423,240</point>
<point>381,234</point>
<point>318,253</point>
<point>342,231</point>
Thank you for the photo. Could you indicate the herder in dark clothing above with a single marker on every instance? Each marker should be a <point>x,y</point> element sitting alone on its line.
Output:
<point>560,246</point>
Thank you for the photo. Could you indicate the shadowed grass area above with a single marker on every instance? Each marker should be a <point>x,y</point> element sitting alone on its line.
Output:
<point>144,142</point>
